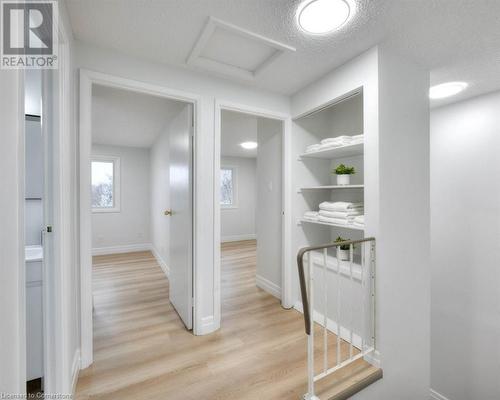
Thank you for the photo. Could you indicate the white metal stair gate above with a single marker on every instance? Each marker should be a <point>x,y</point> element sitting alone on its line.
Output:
<point>340,279</point>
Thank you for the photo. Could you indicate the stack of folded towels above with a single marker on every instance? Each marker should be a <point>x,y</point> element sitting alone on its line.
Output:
<point>339,212</point>
<point>311,215</point>
<point>359,221</point>
<point>331,143</point>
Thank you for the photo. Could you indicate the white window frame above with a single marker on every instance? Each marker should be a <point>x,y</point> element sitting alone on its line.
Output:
<point>116,183</point>
<point>234,170</point>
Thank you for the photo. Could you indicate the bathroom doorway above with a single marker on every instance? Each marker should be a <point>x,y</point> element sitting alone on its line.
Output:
<point>42,230</point>
<point>34,223</point>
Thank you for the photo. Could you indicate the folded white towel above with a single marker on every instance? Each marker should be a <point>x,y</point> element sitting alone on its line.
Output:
<point>312,148</point>
<point>341,214</point>
<point>358,137</point>
<point>338,139</point>
<point>334,145</point>
<point>360,219</point>
<point>311,215</point>
<point>339,206</point>
<point>338,221</point>
<point>327,146</point>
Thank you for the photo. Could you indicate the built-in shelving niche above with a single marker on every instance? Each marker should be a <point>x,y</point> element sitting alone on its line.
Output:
<point>314,181</point>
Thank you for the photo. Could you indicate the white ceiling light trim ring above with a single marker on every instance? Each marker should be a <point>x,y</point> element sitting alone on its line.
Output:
<point>319,17</point>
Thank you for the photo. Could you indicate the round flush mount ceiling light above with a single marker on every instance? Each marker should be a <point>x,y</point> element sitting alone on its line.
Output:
<point>323,16</point>
<point>446,89</point>
<point>249,145</point>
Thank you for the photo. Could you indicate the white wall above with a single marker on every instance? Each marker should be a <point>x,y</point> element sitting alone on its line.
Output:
<point>160,197</point>
<point>269,205</point>
<point>208,88</point>
<point>465,232</point>
<point>238,223</point>
<point>128,229</point>
<point>403,242</point>
<point>12,282</point>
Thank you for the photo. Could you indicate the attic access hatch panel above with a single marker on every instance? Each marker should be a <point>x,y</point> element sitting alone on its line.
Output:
<point>227,49</point>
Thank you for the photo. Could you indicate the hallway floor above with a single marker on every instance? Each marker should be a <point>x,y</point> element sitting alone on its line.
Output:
<point>143,351</point>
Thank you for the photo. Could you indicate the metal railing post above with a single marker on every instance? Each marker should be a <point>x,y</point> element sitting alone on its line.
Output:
<point>310,337</point>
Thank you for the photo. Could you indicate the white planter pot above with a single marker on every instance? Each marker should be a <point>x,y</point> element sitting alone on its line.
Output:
<point>343,179</point>
<point>342,255</point>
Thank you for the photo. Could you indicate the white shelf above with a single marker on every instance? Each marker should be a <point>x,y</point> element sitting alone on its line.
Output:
<point>336,152</point>
<point>350,226</point>
<point>331,187</point>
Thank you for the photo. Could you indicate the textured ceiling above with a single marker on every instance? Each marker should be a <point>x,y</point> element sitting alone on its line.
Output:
<point>454,39</point>
<point>125,118</point>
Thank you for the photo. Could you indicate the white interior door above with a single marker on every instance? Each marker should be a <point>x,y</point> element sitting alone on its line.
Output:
<point>181,223</point>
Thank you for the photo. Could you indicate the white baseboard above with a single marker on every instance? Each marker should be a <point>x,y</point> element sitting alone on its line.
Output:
<point>75,370</point>
<point>331,325</point>
<point>128,248</point>
<point>161,261</point>
<point>207,326</point>
<point>373,358</point>
<point>436,396</point>
<point>238,238</point>
<point>268,286</point>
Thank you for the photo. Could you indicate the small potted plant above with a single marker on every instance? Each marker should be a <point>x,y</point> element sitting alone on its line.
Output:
<point>344,174</point>
<point>342,250</point>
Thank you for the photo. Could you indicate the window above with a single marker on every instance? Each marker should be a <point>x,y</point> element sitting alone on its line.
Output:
<point>228,187</point>
<point>105,184</point>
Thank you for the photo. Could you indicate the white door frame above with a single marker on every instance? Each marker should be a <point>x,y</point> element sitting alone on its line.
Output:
<point>87,79</point>
<point>56,278</point>
<point>286,286</point>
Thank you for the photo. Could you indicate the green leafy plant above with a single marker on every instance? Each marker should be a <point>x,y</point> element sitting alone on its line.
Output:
<point>344,246</point>
<point>343,170</point>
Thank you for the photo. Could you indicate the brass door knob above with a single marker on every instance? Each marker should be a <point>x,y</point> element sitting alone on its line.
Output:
<point>168,212</point>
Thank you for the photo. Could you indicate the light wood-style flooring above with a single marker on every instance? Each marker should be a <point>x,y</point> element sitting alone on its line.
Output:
<point>143,351</point>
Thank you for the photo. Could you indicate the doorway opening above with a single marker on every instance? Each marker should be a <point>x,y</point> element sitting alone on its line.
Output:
<point>137,198</point>
<point>35,198</point>
<point>252,208</point>
<point>46,220</point>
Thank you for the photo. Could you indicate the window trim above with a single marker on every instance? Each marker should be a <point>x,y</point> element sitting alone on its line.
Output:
<point>234,205</point>
<point>116,183</point>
